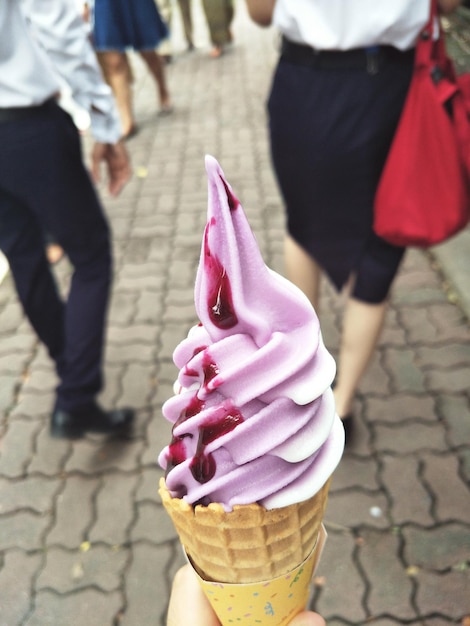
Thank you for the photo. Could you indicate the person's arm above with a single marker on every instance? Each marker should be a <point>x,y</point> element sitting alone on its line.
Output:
<point>261,11</point>
<point>447,6</point>
<point>59,29</point>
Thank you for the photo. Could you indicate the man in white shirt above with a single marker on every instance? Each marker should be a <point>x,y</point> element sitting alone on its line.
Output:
<point>44,185</point>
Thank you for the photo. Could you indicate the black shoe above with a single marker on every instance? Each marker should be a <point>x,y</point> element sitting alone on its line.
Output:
<point>348,424</point>
<point>73,425</point>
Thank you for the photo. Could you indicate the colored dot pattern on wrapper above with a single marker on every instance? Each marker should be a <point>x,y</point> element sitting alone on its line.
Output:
<point>272,603</point>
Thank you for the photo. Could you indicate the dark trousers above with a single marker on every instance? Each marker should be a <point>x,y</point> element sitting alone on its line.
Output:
<point>44,186</point>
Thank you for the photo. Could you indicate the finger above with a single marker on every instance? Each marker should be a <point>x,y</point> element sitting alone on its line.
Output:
<point>95,170</point>
<point>188,604</point>
<point>97,156</point>
<point>119,170</point>
<point>307,618</point>
<point>115,184</point>
<point>117,180</point>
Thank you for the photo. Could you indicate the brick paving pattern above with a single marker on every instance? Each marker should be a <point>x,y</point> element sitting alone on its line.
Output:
<point>84,539</point>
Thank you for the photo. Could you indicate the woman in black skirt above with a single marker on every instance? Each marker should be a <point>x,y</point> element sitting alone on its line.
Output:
<point>335,102</point>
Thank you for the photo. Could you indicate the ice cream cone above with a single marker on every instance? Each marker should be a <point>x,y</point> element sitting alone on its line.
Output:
<point>255,436</point>
<point>248,544</point>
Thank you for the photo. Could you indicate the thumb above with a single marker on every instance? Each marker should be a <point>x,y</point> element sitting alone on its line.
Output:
<point>308,618</point>
<point>188,604</point>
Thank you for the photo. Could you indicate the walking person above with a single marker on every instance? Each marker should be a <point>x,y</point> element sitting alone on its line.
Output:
<point>165,8</point>
<point>119,25</point>
<point>219,15</point>
<point>336,98</point>
<point>44,186</point>
<point>187,19</point>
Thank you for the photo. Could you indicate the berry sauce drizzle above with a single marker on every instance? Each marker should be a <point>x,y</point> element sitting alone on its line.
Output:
<point>232,200</point>
<point>209,371</point>
<point>177,449</point>
<point>202,464</point>
<point>219,298</point>
<point>187,370</point>
<point>224,418</point>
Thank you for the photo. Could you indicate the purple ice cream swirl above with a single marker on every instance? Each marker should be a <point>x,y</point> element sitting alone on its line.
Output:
<point>254,419</point>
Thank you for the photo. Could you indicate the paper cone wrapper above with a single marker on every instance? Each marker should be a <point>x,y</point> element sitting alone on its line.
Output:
<point>268,603</point>
<point>248,544</point>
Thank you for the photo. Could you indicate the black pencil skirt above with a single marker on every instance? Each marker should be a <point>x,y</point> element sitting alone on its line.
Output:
<point>331,125</point>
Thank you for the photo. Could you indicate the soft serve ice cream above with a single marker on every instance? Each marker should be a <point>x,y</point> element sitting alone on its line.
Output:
<point>254,417</point>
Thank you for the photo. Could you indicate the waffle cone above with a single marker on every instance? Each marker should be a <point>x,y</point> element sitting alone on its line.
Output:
<point>248,544</point>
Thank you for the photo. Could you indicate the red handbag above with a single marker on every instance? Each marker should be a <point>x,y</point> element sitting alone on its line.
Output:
<point>423,196</point>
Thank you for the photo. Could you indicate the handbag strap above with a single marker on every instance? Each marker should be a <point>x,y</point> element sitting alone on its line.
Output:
<point>431,56</point>
<point>430,46</point>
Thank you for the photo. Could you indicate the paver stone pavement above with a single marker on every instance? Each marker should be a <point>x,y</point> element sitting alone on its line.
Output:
<point>84,539</point>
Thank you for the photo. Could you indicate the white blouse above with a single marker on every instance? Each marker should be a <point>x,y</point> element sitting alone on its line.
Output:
<point>346,24</point>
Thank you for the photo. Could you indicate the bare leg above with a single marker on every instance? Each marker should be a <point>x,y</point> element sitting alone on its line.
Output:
<point>185,8</point>
<point>219,15</point>
<point>165,9</point>
<point>118,75</point>
<point>157,69</point>
<point>302,270</point>
<point>362,324</point>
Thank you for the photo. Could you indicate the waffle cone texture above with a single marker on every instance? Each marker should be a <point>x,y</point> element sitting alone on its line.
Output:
<point>248,544</point>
